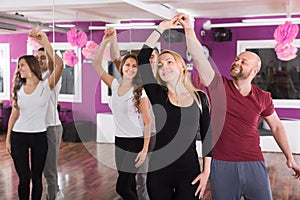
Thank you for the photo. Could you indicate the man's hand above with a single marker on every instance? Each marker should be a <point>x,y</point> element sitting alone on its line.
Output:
<point>291,163</point>
<point>39,36</point>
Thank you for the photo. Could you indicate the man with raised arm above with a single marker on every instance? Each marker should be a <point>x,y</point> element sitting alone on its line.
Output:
<point>238,167</point>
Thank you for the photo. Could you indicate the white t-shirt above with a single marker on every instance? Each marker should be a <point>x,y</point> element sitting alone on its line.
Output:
<point>128,121</point>
<point>52,117</point>
<point>33,108</point>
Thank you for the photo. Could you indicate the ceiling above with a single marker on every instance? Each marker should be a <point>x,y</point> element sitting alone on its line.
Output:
<point>113,11</point>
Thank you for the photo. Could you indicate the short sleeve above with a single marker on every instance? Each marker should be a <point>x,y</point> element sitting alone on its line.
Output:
<point>114,84</point>
<point>268,104</point>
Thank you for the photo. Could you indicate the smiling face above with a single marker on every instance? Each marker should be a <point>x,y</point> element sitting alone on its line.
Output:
<point>24,69</point>
<point>43,60</point>
<point>245,65</point>
<point>129,68</point>
<point>168,68</point>
<point>28,67</point>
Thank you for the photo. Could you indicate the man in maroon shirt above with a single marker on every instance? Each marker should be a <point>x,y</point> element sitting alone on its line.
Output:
<point>238,167</point>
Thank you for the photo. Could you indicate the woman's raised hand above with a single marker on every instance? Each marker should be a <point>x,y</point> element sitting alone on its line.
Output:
<point>39,36</point>
<point>168,24</point>
<point>184,20</point>
<point>109,33</point>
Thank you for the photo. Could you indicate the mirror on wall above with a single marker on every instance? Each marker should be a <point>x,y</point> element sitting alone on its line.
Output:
<point>71,77</point>
<point>4,71</point>
<point>280,78</point>
<point>17,18</point>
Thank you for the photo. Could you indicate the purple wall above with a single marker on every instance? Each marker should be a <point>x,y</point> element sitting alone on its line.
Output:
<point>222,54</point>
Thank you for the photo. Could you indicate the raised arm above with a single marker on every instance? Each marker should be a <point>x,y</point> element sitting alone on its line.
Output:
<point>42,39</point>
<point>164,25</point>
<point>97,63</point>
<point>114,48</point>
<point>205,70</point>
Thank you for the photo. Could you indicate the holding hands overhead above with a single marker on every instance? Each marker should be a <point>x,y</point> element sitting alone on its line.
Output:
<point>109,33</point>
<point>39,36</point>
<point>184,20</point>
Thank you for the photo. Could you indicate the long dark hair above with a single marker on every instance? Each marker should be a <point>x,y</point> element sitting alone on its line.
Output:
<point>136,82</point>
<point>18,81</point>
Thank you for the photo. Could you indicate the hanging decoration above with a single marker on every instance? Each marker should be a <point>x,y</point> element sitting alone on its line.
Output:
<point>90,50</point>
<point>286,51</point>
<point>34,44</point>
<point>70,58</point>
<point>285,35</point>
<point>76,38</point>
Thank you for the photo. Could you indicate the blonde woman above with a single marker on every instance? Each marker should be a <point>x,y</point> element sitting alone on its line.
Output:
<point>179,111</point>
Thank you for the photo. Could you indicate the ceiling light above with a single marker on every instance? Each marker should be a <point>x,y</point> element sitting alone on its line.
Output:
<point>65,25</point>
<point>131,24</point>
<point>251,22</point>
<point>273,20</point>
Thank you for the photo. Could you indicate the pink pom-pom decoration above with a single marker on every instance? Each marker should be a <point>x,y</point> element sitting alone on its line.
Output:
<point>34,44</point>
<point>286,33</point>
<point>76,38</point>
<point>286,51</point>
<point>70,58</point>
<point>90,50</point>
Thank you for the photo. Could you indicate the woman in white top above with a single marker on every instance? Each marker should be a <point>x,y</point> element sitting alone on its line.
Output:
<point>130,108</point>
<point>26,125</point>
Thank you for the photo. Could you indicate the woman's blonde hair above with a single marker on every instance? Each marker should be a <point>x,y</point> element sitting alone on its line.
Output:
<point>183,77</point>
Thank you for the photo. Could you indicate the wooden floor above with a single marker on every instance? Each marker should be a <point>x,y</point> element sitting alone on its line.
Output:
<point>86,171</point>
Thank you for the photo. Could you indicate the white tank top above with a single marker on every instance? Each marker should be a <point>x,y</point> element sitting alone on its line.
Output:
<point>128,121</point>
<point>33,108</point>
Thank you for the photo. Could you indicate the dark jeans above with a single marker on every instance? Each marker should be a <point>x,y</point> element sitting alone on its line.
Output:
<point>20,145</point>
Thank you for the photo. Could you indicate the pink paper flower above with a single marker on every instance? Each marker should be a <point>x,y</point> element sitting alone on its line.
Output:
<point>76,38</point>
<point>90,50</point>
<point>34,44</point>
<point>286,33</point>
<point>70,58</point>
<point>286,51</point>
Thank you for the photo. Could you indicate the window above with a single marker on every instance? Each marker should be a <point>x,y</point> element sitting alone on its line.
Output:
<point>281,78</point>
<point>4,71</point>
<point>71,90</point>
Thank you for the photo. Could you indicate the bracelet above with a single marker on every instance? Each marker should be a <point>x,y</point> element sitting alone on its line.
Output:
<point>158,32</point>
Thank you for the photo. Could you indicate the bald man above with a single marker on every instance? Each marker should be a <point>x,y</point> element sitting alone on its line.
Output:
<point>238,167</point>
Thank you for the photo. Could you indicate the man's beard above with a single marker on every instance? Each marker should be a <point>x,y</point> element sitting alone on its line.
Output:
<point>240,75</point>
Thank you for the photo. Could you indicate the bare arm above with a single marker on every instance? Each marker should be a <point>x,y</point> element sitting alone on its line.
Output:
<point>114,49</point>
<point>155,35</point>
<point>11,122</point>
<point>97,62</point>
<point>145,112</point>
<point>281,139</point>
<point>205,70</point>
<point>50,64</point>
<point>42,39</point>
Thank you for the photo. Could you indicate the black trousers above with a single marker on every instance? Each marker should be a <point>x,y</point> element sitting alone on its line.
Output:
<point>126,150</point>
<point>21,143</point>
